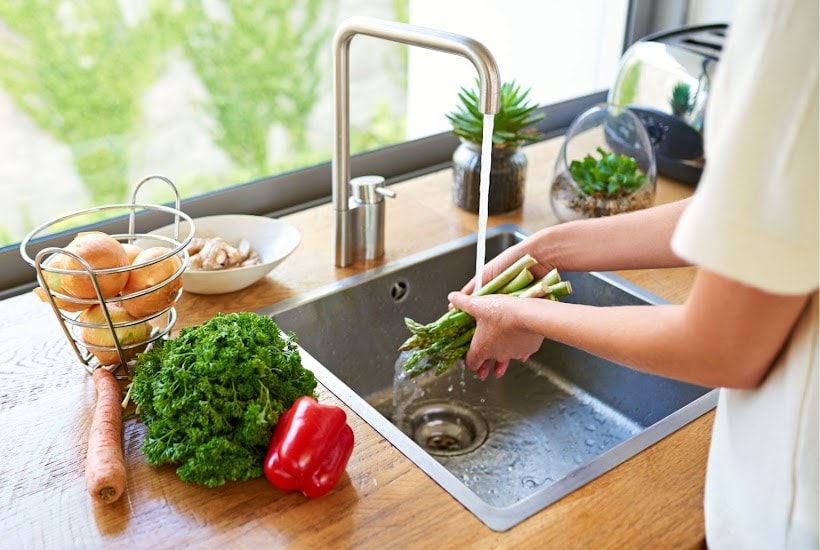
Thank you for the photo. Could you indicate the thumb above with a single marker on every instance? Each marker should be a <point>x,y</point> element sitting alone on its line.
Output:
<point>460,300</point>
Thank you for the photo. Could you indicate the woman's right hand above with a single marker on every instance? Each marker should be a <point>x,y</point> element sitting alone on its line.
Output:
<point>499,337</point>
<point>494,267</point>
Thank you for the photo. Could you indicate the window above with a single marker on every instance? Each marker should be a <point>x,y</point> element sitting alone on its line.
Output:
<point>231,99</point>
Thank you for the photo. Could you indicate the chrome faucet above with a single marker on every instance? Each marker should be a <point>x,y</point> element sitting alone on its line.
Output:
<point>361,235</point>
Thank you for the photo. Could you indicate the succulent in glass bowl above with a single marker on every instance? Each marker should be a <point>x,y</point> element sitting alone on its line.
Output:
<point>606,166</point>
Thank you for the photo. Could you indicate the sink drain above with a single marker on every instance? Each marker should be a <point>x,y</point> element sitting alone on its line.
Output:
<point>443,428</point>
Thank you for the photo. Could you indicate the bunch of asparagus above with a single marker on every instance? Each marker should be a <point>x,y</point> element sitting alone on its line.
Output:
<point>438,345</point>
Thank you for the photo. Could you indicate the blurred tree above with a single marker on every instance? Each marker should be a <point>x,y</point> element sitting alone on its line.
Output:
<point>78,69</point>
<point>261,65</point>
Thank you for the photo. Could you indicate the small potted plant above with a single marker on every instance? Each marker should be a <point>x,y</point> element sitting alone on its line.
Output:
<point>606,166</point>
<point>512,128</point>
<point>681,101</point>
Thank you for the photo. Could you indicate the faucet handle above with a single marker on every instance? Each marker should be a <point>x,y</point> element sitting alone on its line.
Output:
<point>369,189</point>
<point>385,192</point>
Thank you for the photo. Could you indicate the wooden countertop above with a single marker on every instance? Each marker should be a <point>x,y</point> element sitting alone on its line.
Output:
<point>384,500</point>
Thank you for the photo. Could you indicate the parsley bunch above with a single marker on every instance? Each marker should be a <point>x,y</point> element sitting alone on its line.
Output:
<point>610,176</point>
<point>210,397</point>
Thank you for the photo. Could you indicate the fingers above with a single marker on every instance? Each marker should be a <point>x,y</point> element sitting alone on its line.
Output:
<point>471,362</point>
<point>487,275</point>
<point>481,366</point>
<point>491,269</point>
<point>500,368</point>
<point>483,371</point>
<point>460,300</point>
<point>478,365</point>
<point>468,288</point>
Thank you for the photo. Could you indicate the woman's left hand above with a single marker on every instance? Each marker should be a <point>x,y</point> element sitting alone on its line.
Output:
<point>498,338</point>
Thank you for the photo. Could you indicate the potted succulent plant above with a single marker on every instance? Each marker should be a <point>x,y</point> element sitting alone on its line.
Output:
<point>681,100</point>
<point>606,166</point>
<point>512,128</point>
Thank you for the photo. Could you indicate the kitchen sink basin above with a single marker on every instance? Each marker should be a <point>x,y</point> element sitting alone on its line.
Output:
<point>504,448</point>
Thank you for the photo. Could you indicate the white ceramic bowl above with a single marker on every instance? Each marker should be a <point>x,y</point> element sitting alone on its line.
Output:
<point>274,240</point>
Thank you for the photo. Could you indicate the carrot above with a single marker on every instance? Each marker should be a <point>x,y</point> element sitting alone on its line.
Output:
<point>104,462</point>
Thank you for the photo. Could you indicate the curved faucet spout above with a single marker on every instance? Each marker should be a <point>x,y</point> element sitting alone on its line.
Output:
<point>477,53</point>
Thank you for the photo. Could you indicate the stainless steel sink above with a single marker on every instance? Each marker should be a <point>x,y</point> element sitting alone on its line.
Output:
<point>504,448</point>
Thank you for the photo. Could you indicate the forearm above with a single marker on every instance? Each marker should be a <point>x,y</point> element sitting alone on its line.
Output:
<point>638,240</point>
<point>646,338</point>
<point>727,334</point>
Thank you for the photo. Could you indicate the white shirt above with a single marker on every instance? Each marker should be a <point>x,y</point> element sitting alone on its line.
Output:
<point>754,219</point>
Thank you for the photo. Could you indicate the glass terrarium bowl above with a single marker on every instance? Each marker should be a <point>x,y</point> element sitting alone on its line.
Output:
<point>614,130</point>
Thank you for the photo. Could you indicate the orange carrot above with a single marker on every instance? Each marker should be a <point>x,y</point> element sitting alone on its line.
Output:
<point>104,461</point>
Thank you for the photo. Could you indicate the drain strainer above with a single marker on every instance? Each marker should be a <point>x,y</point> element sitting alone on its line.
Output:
<point>443,428</point>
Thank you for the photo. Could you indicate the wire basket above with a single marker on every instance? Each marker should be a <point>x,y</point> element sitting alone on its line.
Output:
<point>106,336</point>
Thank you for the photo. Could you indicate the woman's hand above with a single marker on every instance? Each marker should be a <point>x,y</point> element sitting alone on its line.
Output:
<point>499,337</point>
<point>504,260</point>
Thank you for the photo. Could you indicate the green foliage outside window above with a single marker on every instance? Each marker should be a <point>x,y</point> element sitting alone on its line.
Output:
<point>80,70</point>
<point>261,68</point>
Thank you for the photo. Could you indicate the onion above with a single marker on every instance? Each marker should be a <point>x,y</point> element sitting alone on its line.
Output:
<point>129,335</point>
<point>101,252</point>
<point>131,250</point>
<point>148,276</point>
<point>54,282</point>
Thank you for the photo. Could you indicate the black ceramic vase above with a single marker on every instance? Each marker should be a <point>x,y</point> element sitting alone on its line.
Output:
<point>508,171</point>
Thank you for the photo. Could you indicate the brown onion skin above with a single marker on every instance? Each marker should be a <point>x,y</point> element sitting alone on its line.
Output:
<point>148,276</point>
<point>101,252</point>
<point>131,251</point>
<point>54,282</point>
<point>102,336</point>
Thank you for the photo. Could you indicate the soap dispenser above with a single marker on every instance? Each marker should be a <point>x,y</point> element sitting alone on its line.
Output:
<point>366,205</point>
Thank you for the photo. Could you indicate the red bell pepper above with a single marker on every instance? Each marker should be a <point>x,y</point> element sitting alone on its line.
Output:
<point>310,447</point>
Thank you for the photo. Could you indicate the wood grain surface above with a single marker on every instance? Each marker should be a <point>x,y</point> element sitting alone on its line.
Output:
<point>383,501</point>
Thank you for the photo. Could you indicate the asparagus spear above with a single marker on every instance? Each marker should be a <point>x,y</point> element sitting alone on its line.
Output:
<point>439,344</point>
<point>493,287</point>
<point>454,322</point>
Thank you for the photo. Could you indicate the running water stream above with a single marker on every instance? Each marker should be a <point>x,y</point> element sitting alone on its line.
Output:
<point>483,198</point>
<point>402,398</point>
<point>405,390</point>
